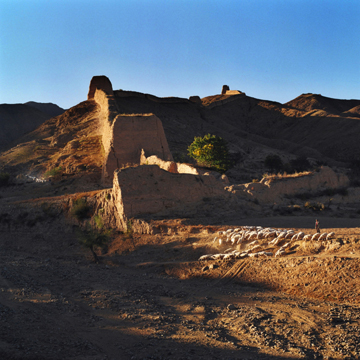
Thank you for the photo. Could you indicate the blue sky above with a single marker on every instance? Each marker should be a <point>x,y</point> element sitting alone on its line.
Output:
<point>270,49</point>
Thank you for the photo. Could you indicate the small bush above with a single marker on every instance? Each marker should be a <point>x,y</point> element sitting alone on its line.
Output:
<point>129,230</point>
<point>94,237</point>
<point>80,209</point>
<point>314,206</point>
<point>4,179</point>
<point>53,172</point>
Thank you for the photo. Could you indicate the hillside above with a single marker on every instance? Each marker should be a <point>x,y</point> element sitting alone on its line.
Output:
<point>48,108</point>
<point>19,119</point>
<point>310,102</point>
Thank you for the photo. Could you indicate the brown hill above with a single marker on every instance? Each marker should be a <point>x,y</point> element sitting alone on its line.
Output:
<point>18,119</point>
<point>309,102</point>
<point>48,108</point>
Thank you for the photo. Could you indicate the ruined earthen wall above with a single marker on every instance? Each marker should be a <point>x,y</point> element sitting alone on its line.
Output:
<point>155,160</point>
<point>123,136</point>
<point>129,135</point>
<point>146,190</point>
<point>273,190</point>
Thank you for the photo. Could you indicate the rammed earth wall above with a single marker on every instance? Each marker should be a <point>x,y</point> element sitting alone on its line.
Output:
<point>124,136</point>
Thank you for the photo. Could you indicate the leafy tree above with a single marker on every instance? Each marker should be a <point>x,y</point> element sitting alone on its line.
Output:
<point>93,237</point>
<point>210,151</point>
<point>274,163</point>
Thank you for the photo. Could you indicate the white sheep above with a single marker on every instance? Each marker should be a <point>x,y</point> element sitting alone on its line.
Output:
<point>253,243</point>
<point>205,257</point>
<point>315,236</point>
<point>253,255</point>
<point>272,241</point>
<point>330,235</point>
<point>280,252</point>
<point>322,236</point>
<point>217,256</point>
<point>261,253</point>
<point>240,240</point>
<point>294,237</point>
<point>306,237</point>
<point>229,256</point>
<point>220,242</point>
<point>252,235</point>
<point>215,238</point>
<point>300,235</point>
<point>270,234</point>
<point>242,255</point>
<point>275,241</point>
<point>255,247</point>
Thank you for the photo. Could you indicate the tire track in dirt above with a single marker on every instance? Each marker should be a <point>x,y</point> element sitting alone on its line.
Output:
<point>232,273</point>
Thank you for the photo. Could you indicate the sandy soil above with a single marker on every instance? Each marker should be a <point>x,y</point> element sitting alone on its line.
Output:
<point>150,297</point>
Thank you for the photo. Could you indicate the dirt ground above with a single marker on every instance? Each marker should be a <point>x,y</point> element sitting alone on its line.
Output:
<point>151,298</point>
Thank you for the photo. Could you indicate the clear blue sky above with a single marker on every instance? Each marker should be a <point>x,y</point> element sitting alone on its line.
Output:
<point>270,49</point>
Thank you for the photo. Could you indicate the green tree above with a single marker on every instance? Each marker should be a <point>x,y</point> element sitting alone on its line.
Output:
<point>210,151</point>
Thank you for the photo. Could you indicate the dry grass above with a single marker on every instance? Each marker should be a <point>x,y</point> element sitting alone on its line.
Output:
<point>284,175</point>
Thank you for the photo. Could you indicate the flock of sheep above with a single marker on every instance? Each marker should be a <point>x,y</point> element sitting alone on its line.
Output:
<point>244,234</point>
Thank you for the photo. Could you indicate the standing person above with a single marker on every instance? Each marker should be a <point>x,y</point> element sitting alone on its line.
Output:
<point>317,226</point>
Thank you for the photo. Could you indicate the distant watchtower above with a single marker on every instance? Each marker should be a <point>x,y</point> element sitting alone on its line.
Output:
<point>225,88</point>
